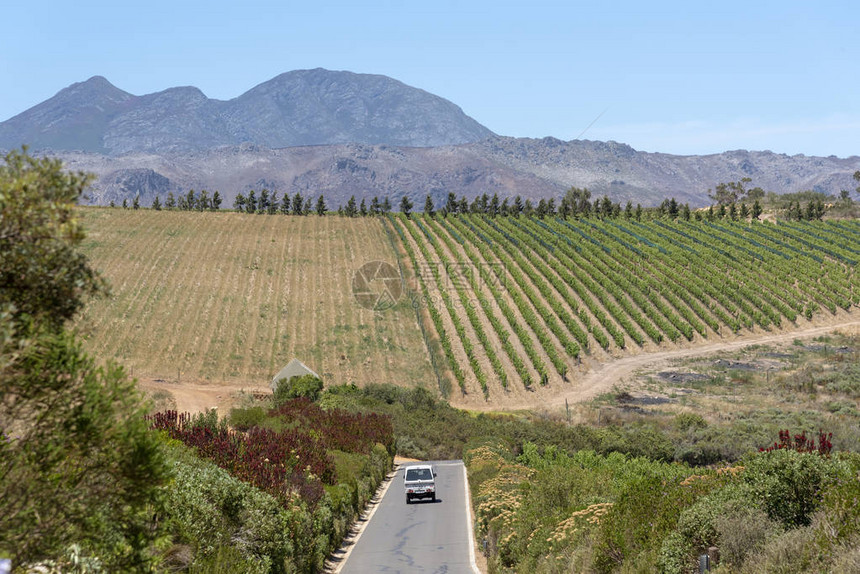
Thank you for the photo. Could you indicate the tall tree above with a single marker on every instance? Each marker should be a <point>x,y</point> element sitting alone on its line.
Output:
<point>216,201</point>
<point>374,206</point>
<point>518,206</point>
<point>156,204</point>
<point>362,208</point>
<point>321,208</point>
<point>263,204</point>
<point>493,208</point>
<point>386,205</point>
<point>239,203</point>
<point>306,210</point>
<point>170,202</point>
<point>451,205</point>
<point>756,210</point>
<point>298,203</point>
<point>273,206</point>
<point>429,210</point>
<point>83,467</point>
<point>529,209</point>
<point>351,209</point>
<point>285,204</point>
<point>251,202</point>
<point>405,206</point>
<point>203,203</point>
<point>135,204</point>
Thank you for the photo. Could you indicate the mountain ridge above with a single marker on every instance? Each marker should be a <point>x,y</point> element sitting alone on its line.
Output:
<point>342,134</point>
<point>301,107</point>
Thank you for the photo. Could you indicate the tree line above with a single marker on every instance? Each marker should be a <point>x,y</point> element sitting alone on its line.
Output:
<point>733,200</point>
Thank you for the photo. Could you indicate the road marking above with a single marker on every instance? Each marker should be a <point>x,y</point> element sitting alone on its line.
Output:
<point>469,522</point>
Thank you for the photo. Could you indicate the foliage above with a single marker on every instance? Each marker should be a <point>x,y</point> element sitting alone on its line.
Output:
<point>304,386</point>
<point>287,462</point>
<point>77,464</point>
<point>549,510</point>
<point>542,291</point>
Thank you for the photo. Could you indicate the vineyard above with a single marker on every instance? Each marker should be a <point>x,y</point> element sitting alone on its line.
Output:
<point>510,310</point>
<point>227,299</point>
<point>518,305</point>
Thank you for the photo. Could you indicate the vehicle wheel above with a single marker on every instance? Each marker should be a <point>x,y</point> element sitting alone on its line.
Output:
<point>433,498</point>
<point>408,500</point>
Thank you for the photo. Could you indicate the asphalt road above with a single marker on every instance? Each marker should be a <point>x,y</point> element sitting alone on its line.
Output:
<point>424,536</point>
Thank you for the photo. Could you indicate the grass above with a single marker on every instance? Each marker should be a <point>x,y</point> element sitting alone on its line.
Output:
<point>746,396</point>
<point>231,298</point>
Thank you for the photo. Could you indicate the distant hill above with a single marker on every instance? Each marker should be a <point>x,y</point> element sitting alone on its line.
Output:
<point>299,108</point>
<point>341,134</point>
<point>508,166</point>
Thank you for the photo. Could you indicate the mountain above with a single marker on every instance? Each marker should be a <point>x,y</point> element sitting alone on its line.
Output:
<point>341,134</point>
<point>299,108</point>
<point>532,168</point>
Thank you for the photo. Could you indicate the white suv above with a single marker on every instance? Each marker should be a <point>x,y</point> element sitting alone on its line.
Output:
<point>419,481</point>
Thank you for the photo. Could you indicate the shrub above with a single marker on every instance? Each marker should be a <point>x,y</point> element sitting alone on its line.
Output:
<point>742,533</point>
<point>243,419</point>
<point>209,509</point>
<point>789,483</point>
<point>305,386</point>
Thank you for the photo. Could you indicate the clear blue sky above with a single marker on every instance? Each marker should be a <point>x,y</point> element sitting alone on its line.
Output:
<point>679,77</point>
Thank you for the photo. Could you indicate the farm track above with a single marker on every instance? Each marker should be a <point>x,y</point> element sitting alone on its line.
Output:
<point>601,379</point>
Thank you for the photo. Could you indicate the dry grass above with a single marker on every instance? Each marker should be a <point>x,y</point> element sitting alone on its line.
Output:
<point>228,299</point>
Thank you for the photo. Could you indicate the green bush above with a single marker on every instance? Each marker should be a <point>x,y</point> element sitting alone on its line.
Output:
<point>305,386</point>
<point>790,484</point>
<point>742,533</point>
<point>244,418</point>
<point>209,509</point>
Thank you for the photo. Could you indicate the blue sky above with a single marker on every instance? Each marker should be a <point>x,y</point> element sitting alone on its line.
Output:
<point>685,77</point>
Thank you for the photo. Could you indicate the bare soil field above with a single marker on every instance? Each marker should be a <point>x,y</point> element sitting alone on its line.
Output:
<point>203,305</point>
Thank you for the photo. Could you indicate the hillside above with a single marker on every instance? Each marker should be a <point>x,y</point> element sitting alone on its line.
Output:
<point>215,299</point>
<point>508,166</point>
<point>515,311</point>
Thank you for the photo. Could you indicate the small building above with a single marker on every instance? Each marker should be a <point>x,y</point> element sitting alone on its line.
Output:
<point>294,368</point>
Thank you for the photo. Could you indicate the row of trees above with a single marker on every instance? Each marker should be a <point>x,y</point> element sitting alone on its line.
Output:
<point>190,201</point>
<point>577,203</point>
<point>731,201</point>
<point>814,210</point>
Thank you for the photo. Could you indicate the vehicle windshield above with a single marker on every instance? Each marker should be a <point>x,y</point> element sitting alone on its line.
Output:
<point>419,474</point>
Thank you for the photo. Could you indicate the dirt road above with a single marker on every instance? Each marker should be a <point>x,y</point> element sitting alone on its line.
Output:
<point>195,397</point>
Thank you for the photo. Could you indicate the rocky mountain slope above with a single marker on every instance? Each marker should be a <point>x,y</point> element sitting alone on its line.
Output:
<point>341,134</point>
<point>508,166</point>
<point>303,107</point>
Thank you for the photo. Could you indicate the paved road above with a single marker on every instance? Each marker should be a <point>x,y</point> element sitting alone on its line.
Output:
<point>423,537</point>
